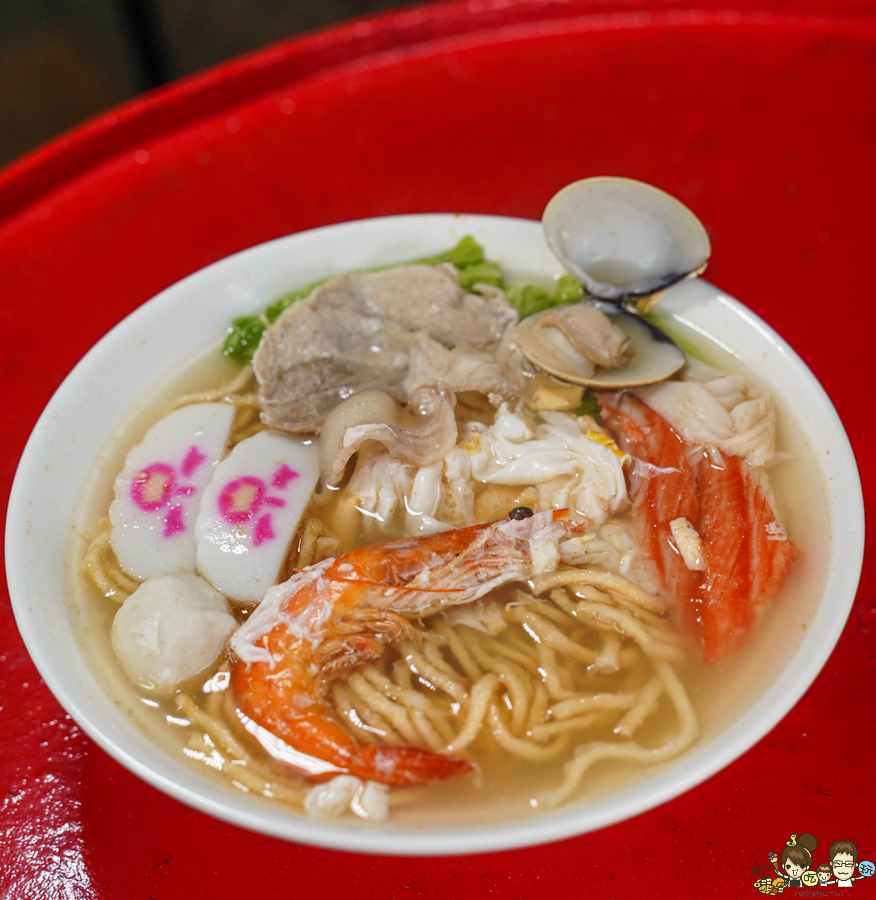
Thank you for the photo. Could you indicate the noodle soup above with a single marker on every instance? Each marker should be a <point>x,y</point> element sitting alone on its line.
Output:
<point>130,380</point>
<point>567,682</point>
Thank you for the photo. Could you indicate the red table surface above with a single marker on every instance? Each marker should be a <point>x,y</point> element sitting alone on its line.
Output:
<point>760,117</point>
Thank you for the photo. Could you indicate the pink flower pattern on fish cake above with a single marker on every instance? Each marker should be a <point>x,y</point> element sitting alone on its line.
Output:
<point>161,485</point>
<point>243,498</point>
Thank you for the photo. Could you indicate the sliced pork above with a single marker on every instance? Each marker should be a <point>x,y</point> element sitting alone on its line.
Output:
<point>360,332</point>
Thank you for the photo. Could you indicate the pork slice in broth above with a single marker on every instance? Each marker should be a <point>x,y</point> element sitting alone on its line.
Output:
<point>361,332</point>
<point>462,368</point>
<point>430,297</point>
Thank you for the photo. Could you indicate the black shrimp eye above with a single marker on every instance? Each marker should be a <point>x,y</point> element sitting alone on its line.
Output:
<point>521,512</point>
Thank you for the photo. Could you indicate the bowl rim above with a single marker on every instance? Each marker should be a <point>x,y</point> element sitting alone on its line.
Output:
<point>378,238</point>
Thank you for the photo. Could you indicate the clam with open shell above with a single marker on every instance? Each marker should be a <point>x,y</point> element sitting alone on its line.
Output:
<point>623,240</point>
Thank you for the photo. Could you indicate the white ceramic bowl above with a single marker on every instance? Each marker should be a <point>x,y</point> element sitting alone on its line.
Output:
<point>83,422</point>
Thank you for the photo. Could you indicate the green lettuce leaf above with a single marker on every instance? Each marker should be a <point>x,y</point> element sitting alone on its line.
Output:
<point>528,299</point>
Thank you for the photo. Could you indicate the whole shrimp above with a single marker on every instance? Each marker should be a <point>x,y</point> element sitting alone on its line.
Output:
<point>341,613</point>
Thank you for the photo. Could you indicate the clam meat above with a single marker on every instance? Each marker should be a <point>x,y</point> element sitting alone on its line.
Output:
<point>598,345</point>
<point>623,240</point>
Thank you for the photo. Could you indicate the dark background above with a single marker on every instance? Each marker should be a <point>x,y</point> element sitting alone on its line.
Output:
<point>63,61</point>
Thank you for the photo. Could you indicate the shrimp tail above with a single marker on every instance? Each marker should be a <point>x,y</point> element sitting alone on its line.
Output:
<point>396,765</point>
<point>284,709</point>
<point>313,744</point>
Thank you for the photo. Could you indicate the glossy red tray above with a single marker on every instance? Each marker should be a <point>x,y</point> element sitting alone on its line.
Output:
<point>758,115</point>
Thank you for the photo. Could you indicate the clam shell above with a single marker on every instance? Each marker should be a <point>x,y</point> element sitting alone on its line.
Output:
<point>623,238</point>
<point>646,356</point>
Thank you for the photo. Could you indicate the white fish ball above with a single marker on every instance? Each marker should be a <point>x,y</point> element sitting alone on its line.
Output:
<point>170,629</point>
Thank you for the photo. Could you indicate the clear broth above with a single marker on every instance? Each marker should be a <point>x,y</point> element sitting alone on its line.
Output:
<point>507,786</point>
